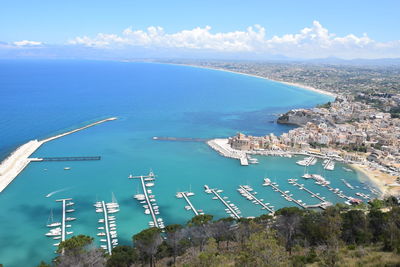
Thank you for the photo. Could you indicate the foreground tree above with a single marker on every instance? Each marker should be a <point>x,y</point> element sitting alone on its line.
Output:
<point>123,256</point>
<point>78,251</point>
<point>147,243</point>
<point>262,249</point>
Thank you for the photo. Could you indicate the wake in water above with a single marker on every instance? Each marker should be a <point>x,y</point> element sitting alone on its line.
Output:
<point>57,191</point>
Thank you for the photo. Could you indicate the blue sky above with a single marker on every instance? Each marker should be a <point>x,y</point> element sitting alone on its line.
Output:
<point>59,22</point>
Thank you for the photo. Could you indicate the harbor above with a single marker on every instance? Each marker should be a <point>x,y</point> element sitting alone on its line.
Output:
<point>284,194</point>
<point>17,161</point>
<point>245,191</point>
<point>149,201</point>
<point>231,208</point>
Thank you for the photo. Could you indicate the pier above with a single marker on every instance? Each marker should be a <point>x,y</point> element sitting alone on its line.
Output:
<point>63,221</point>
<point>253,198</point>
<point>228,206</point>
<point>106,227</point>
<point>65,158</point>
<point>157,222</point>
<point>179,139</point>
<point>321,205</point>
<point>285,195</point>
<point>186,197</point>
<point>17,161</point>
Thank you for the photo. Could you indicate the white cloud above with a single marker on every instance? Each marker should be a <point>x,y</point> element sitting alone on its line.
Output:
<point>310,42</point>
<point>27,43</point>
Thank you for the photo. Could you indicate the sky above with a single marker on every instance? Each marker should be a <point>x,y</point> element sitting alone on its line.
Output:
<point>241,29</point>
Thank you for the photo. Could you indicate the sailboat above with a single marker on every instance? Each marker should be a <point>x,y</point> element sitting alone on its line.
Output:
<point>50,222</point>
<point>190,193</point>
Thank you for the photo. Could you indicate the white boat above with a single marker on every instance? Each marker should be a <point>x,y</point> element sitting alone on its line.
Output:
<point>146,211</point>
<point>67,168</point>
<point>56,244</point>
<point>57,237</point>
<point>101,234</point>
<point>69,203</point>
<point>179,195</point>
<point>54,224</point>
<point>190,194</point>
<point>70,233</point>
<point>149,184</point>
<point>70,210</point>
<point>267,181</point>
<point>68,219</point>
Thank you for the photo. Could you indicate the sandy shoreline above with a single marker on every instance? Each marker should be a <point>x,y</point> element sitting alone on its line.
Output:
<point>379,179</point>
<point>306,87</point>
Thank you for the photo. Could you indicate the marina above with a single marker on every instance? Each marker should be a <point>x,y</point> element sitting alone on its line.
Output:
<point>284,194</point>
<point>307,161</point>
<point>245,191</point>
<point>149,200</point>
<point>190,206</point>
<point>231,208</point>
<point>329,164</point>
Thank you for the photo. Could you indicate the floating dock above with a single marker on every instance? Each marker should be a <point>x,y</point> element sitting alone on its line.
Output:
<point>246,189</point>
<point>63,221</point>
<point>157,222</point>
<point>186,197</point>
<point>285,195</point>
<point>106,227</point>
<point>14,164</point>
<point>321,205</point>
<point>229,207</point>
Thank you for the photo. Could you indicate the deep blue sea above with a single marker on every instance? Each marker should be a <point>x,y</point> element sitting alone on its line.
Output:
<point>42,98</point>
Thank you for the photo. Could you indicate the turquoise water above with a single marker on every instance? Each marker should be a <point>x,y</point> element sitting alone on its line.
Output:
<point>41,98</point>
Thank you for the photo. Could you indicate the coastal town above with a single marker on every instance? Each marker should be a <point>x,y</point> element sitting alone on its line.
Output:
<point>360,127</point>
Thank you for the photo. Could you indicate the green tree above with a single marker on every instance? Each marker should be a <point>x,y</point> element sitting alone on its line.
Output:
<point>355,227</point>
<point>122,256</point>
<point>262,249</point>
<point>75,244</point>
<point>147,242</point>
<point>200,220</point>
<point>288,224</point>
<point>41,264</point>
<point>175,234</point>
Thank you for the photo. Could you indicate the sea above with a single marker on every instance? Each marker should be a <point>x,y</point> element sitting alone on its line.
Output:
<point>42,98</point>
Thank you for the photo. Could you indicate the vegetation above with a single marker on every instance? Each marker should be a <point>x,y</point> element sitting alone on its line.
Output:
<point>365,235</point>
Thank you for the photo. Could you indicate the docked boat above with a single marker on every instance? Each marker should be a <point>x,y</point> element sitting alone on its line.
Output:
<point>68,219</point>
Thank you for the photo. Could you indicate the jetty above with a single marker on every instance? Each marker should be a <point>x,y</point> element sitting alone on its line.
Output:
<point>63,220</point>
<point>179,139</point>
<point>321,205</point>
<point>275,187</point>
<point>329,164</point>
<point>186,195</point>
<point>245,191</point>
<point>150,204</point>
<point>17,161</point>
<point>223,148</point>
<point>65,158</point>
<point>231,209</point>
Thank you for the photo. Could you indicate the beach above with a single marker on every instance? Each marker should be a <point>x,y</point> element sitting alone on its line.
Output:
<point>306,87</point>
<point>380,179</point>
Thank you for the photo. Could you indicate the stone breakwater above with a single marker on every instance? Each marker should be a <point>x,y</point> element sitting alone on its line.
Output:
<point>19,158</point>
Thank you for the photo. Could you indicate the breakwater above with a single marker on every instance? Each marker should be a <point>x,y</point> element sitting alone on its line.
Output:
<point>19,158</point>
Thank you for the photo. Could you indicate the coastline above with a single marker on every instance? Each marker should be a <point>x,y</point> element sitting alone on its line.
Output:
<point>379,179</point>
<point>305,87</point>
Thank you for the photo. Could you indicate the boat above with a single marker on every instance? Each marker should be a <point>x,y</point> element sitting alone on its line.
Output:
<point>149,184</point>
<point>207,189</point>
<point>68,219</point>
<point>57,237</point>
<point>267,181</point>
<point>101,234</point>
<point>67,168</point>
<point>70,210</point>
<point>179,195</point>
<point>50,222</point>
<point>69,203</point>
